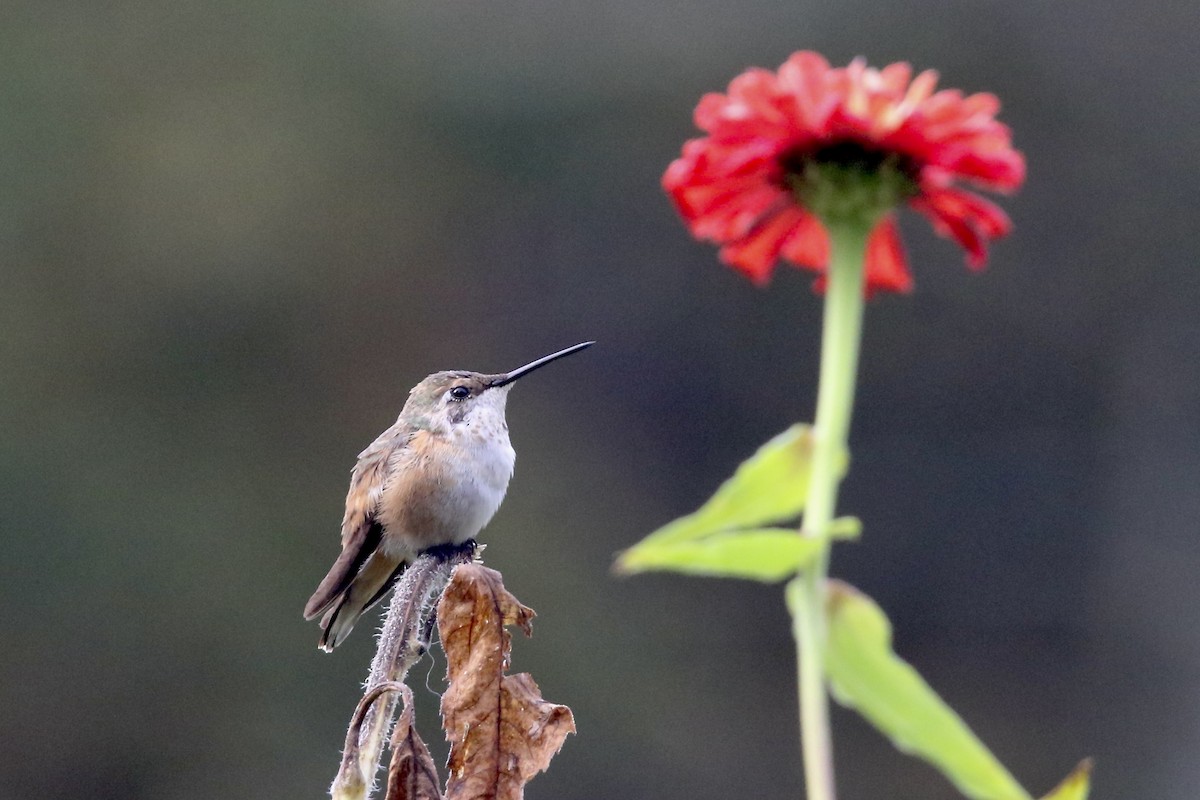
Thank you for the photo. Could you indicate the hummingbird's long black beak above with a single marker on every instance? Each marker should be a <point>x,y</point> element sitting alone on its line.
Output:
<point>508,377</point>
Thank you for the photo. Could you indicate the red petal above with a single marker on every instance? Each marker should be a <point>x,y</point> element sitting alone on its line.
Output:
<point>1003,171</point>
<point>808,244</point>
<point>697,199</point>
<point>887,265</point>
<point>893,78</point>
<point>756,253</point>
<point>732,119</point>
<point>983,104</point>
<point>981,213</point>
<point>953,218</point>
<point>804,79</point>
<point>738,213</point>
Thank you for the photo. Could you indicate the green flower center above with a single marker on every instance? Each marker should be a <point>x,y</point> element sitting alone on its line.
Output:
<point>848,182</point>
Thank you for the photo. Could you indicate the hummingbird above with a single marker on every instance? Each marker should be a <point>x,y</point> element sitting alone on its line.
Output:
<point>433,478</point>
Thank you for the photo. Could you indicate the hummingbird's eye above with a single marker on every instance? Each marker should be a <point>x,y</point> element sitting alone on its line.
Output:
<point>460,392</point>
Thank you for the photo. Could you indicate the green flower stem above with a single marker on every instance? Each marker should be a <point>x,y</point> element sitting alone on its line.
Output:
<point>840,339</point>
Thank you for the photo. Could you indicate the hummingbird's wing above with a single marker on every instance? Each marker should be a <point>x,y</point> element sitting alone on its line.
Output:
<point>361,531</point>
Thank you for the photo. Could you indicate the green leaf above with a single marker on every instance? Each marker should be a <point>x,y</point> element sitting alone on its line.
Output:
<point>865,674</point>
<point>765,554</point>
<point>768,487</point>
<point>845,528</point>
<point>1076,785</point>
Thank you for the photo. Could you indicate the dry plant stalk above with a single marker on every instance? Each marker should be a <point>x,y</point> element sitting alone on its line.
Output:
<point>403,639</point>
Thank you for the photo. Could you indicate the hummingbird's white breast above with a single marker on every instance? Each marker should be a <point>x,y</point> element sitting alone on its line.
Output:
<point>487,461</point>
<point>483,474</point>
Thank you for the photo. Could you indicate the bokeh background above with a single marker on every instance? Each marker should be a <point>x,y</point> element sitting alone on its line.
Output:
<point>233,235</point>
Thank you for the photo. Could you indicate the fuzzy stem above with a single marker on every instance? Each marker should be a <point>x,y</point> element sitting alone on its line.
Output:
<point>840,339</point>
<point>405,635</point>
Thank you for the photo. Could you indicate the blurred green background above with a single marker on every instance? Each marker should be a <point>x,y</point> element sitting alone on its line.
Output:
<point>235,233</point>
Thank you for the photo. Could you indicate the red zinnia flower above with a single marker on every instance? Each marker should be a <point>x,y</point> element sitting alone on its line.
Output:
<point>745,185</point>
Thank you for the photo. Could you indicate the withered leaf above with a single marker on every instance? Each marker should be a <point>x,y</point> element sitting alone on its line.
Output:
<point>412,775</point>
<point>501,731</point>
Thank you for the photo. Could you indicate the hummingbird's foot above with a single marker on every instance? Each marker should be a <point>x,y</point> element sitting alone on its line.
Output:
<point>446,552</point>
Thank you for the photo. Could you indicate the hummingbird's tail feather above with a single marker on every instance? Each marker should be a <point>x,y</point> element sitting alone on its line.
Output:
<point>364,591</point>
<point>388,584</point>
<point>358,548</point>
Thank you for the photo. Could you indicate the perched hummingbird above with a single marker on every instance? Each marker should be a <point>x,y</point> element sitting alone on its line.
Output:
<point>435,477</point>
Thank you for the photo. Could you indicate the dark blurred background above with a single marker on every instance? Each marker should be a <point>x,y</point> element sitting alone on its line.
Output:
<point>235,233</point>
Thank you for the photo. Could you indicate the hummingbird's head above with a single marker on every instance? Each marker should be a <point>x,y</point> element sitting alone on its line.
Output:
<point>456,397</point>
<point>447,399</point>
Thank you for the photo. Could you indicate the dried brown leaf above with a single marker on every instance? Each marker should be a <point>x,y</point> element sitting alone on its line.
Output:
<point>412,774</point>
<point>501,731</point>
